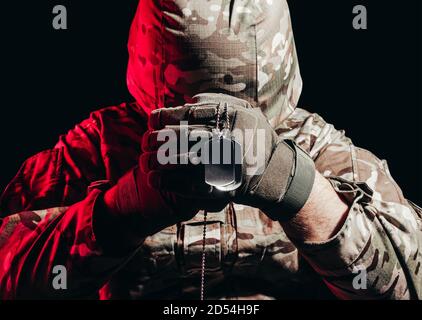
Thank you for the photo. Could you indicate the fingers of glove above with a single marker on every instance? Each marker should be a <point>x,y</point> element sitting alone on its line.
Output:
<point>156,161</point>
<point>184,183</point>
<point>193,114</point>
<point>175,137</point>
<point>212,97</point>
<point>159,118</point>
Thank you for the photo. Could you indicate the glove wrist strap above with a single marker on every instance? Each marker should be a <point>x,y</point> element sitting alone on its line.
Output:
<point>301,184</point>
<point>292,197</point>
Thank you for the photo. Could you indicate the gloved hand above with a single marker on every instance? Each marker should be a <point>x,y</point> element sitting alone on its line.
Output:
<point>277,176</point>
<point>132,210</point>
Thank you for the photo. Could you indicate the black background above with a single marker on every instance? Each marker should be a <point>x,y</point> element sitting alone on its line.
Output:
<point>366,82</point>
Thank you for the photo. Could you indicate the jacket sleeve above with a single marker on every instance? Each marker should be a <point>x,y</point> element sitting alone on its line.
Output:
<point>377,253</point>
<point>53,253</point>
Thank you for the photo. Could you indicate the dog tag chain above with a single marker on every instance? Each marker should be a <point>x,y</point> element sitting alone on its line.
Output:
<point>223,169</point>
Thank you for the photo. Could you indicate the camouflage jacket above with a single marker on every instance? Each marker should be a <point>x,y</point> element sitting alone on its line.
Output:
<point>179,48</point>
<point>376,255</point>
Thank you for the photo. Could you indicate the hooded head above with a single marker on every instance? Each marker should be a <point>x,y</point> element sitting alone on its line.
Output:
<point>245,48</point>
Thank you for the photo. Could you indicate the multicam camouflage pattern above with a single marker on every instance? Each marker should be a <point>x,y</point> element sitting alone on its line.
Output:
<point>381,236</point>
<point>249,256</point>
<point>244,48</point>
<point>179,48</point>
<point>383,232</point>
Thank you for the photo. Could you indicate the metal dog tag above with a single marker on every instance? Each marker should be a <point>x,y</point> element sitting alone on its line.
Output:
<point>224,167</point>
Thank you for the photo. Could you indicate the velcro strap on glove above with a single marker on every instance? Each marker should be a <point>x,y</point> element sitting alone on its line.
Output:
<point>286,188</point>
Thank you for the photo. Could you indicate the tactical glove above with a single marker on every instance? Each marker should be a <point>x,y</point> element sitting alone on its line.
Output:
<point>132,209</point>
<point>277,176</point>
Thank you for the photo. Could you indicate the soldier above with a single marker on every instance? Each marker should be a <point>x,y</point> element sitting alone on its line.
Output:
<point>321,214</point>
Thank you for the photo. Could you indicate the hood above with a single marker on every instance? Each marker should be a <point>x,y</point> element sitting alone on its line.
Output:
<point>245,48</point>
